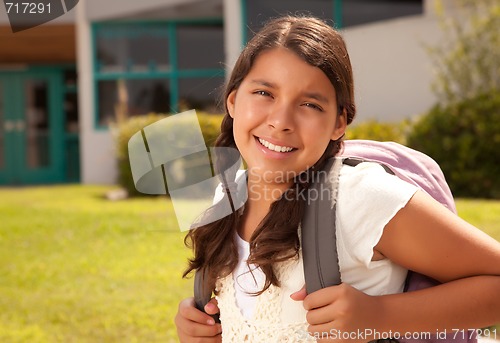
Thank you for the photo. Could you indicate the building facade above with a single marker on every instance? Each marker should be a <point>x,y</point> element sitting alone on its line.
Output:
<point>63,84</point>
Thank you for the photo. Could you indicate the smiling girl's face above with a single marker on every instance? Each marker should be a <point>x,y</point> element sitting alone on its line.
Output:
<point>285,113</point>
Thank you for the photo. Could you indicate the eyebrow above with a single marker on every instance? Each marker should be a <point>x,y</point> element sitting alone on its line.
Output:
<point>264,83</point>
<point>312,95</point>
<point>317,96</point>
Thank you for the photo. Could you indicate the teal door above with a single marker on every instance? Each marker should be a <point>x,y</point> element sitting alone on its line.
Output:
<point>30,128</point>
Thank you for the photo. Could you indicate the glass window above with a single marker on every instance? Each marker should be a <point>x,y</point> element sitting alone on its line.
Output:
<point>260,11</point>
<point>200,46</point>
<point>70,78</point>
<point>357,12</point>
<point>144,78</point>
<point>132,47</point>
<point>124,98</point>
<point>202,94</point>
<point>71,112</point>
<point>37,124</point>
<point>71,101</point>
<point>107,100</point>
<point>72,151</point>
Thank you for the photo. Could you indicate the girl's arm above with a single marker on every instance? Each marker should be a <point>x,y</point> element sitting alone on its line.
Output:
<point>341,313</point>
<point>472,302</point>
<point>427,238</point>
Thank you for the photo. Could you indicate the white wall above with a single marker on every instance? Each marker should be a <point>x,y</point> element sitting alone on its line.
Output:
<point>392,69</point>
<point>233,38</point>
<point>97,158</point>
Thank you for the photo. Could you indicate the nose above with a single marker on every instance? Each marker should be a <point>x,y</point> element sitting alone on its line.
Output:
<point>280,117</point>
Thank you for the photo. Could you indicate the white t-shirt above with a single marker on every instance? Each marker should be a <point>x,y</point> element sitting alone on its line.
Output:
<point>368,198</point>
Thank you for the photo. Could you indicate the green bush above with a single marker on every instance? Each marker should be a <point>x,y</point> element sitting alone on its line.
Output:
<point>464,138</point>
<point>210,127</point>
<point>377,131</point>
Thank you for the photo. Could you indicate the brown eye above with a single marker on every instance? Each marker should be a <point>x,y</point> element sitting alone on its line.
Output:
<point>263,93</point>
<point>313,106</point>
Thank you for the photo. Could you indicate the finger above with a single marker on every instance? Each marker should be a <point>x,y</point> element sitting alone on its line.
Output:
<point>322,297</point>
<point>212,307</point>
<point>188,310</point>
<point>321,315</point>
<point>189,328</point>
<point>299,295</point>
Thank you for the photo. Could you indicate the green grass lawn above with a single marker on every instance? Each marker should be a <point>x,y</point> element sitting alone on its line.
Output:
<point>75,267</point>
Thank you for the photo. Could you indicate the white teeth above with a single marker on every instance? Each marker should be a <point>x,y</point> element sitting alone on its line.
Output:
<point>273,147</point>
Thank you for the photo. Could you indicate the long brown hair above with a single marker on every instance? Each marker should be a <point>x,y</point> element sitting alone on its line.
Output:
<point>276,238</point>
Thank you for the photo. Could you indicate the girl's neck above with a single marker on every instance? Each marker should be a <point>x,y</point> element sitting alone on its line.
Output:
<point>260,197</point>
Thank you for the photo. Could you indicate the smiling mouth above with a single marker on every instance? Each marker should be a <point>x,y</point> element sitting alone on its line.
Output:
<point>274,147</point>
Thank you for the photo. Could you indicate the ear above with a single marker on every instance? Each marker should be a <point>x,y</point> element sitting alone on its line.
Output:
<point>230,101</point>
<point>340,125</point>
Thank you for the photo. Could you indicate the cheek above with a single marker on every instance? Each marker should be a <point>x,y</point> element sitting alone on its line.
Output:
<point>240,132</point>
<point>246,121</point>
<point>317,137</point>
<point>249,116</point>
<point>318,129</point>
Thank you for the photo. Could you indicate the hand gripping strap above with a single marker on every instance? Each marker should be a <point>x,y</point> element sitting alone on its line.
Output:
<point>202,293</point>
<point>319,243</point>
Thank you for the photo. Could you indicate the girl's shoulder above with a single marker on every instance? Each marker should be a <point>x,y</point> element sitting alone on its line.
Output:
<point>368,198</point>
<point>368,176</point>
<point>370,192</point>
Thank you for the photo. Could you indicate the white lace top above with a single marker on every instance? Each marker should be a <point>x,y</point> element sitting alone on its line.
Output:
<point>275,317</point>
<point>368,198</point>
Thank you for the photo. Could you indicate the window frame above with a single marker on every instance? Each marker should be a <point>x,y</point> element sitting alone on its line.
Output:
<point>172,76</point>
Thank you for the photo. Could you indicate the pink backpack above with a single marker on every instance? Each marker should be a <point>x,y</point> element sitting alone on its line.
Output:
<point>409,165</point>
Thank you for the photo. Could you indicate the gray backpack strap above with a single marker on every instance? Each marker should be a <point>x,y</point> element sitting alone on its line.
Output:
<point>202,293</point>
<point>319,247</point>
<point>319,243</point>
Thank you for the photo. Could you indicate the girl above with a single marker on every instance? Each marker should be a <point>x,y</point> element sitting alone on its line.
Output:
<point>288,102</point>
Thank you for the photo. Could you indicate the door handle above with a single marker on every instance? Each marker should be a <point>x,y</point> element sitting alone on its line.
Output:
<point>9,126</point>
